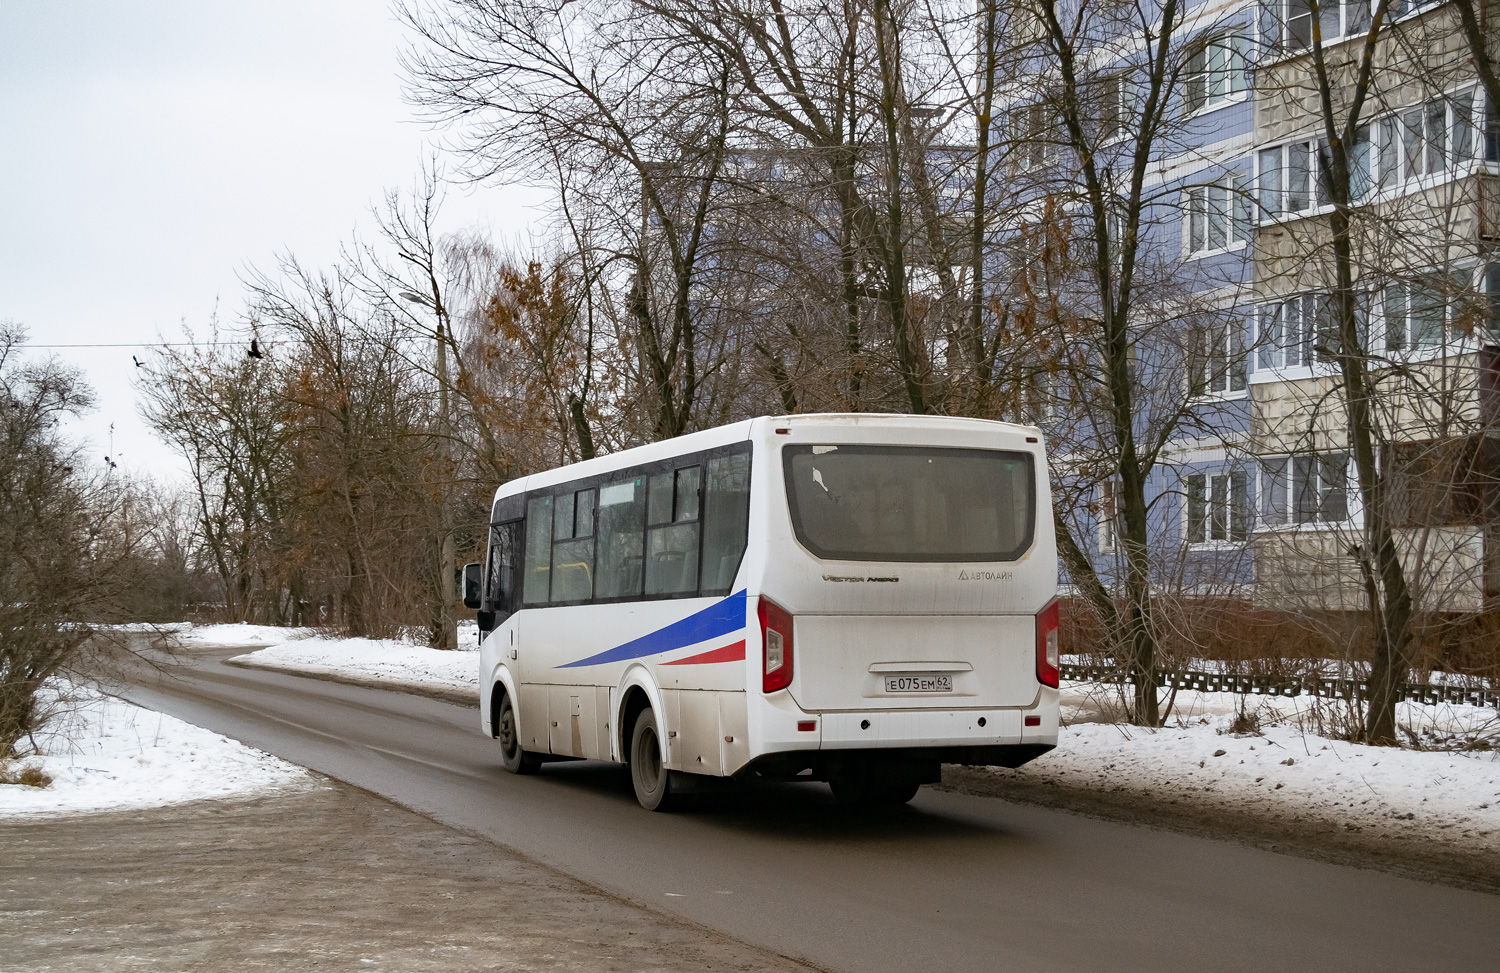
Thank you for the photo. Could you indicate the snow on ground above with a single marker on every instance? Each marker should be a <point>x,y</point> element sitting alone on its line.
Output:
<point>104,754</point>
<point>373,660</point>
<point>243,634</point>
<point>1288,771</point>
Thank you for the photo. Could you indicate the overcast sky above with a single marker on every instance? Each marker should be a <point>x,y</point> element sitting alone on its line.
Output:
<point>151,151</point>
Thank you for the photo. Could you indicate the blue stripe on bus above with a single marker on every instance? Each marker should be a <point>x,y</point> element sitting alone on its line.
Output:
<point>720,618</point>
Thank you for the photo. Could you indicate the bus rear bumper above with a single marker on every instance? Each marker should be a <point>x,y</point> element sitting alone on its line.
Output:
<point>919,764</point>
<point>997,736</point>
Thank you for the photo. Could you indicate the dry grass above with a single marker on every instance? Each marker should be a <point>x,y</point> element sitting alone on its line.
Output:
<point>28,775</point>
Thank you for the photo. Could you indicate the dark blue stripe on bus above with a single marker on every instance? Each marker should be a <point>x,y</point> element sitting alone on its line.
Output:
<point>720,618</point>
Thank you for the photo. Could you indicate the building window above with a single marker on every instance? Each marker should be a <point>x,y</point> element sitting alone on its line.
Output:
<point>1335,19</point>
<point>1217,72</point>
<point>1218,507</point>
<point>1109,516</point>
<point>1489,325</point>
<point>1024,25</point>
<point>1119,106</point>
<point>1216,360</point>
<point>1304,488</point>
<point>1424,141</point>
<point>1033,137</point>
<point>1289,333</point>
<point>1217,217</point>
<point>1290,178</point>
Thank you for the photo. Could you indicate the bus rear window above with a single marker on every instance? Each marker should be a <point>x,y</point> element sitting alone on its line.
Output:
<point>911,503</point>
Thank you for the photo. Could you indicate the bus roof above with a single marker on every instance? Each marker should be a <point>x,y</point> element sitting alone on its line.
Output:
<point>735,433</point>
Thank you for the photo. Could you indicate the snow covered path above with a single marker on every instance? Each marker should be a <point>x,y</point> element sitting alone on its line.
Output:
<point>104,754</point>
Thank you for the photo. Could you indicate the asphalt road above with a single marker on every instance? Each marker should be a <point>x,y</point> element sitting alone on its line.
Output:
<point>951,883</point>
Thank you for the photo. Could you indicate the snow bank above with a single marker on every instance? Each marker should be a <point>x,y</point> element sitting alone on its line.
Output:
<point>371,660</point>
<point>104,754</point>
<point>243,634</point>
<point>1288,772</point>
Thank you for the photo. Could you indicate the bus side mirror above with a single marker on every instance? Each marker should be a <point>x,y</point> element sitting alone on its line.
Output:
<point>473,574</point>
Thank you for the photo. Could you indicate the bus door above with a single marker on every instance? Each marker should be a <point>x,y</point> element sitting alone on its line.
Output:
<point>503,584</point>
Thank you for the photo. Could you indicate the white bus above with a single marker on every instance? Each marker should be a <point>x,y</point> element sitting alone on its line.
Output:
<point>848,598</point>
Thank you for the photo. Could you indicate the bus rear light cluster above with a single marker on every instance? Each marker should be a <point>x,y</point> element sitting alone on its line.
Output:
<point>776,645</point>
<point>1048,655</point>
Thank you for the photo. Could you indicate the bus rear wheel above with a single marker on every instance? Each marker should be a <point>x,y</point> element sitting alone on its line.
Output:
<point>648,774</point>
<point>512,757</point>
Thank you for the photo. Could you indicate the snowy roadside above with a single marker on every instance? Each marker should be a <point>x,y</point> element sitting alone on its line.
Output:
<point>271,635</point>
<point>1286,772</point>
<point>104,754</point>
<point>376,662</point>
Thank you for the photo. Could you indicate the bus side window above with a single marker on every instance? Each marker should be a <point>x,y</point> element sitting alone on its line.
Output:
<point>538,550</point>
<point>726,517</point>
<point>622,516</point>
<point>672,540</point>
<point>573,547</point>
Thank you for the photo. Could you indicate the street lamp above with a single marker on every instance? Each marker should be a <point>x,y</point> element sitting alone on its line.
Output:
<point>448,636</point>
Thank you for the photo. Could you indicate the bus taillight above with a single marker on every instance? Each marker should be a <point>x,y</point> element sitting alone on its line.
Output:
<point>1048,655</point>
<point>776,645</point>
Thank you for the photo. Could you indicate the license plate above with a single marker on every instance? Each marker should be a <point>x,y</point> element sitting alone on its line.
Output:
<point>919,682</point>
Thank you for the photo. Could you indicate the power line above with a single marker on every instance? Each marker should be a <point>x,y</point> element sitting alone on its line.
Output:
<point>139,344</point>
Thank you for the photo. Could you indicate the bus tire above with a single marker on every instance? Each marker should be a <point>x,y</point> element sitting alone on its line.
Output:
<point>512,757</point>
<point>648,774</point>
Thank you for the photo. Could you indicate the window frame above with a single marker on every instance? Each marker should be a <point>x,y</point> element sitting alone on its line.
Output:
<point>1225,357</point>
<point>1381,155</point>
<point>1233,45</point>
<point>1037,149</point>
<point>1108,525</point>
<point>1468,282</point>
<point>791,452</point>
<point>1236,530</point>
<point>1307,334</point>
<point>1199,207</point>
<point>1119,106</point>
<point>1288,517</point>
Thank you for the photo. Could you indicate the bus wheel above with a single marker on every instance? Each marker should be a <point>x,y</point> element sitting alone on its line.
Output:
<point>514,759</point>
<point>857,792</point>
<point>650,777</point>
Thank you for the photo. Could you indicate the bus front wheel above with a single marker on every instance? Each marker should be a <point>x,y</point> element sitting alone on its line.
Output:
<point>514,759</point>
<point>650,777</point>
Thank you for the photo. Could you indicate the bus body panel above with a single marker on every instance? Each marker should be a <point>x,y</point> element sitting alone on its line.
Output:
<point>848,663</point>
<point>699,659</point>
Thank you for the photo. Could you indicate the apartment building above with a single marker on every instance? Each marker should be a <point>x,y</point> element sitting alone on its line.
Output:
<point>1259,496</point>
<point>1420,265</point>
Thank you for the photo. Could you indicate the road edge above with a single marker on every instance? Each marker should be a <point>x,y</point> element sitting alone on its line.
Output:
<point>1424,860</point>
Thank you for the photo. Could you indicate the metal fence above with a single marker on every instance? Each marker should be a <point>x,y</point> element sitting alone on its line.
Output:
<point>1321,686</point>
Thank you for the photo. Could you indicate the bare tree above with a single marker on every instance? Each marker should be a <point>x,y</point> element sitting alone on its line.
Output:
<point>58,545</point>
